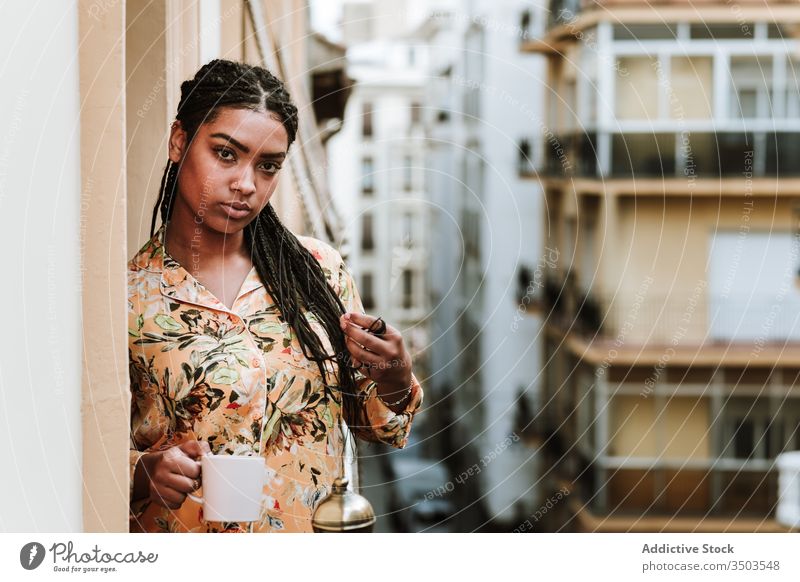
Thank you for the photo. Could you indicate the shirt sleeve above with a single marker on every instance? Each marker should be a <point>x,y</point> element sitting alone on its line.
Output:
<point>149,422</point>
<point>377,422</point>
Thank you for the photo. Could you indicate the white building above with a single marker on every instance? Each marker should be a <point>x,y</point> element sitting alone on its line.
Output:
<point>444,224</point>
<point>483,97</point>
<point>376,173</point>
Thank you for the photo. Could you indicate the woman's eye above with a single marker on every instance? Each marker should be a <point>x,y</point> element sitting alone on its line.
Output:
<point>225,154</point>
<point>271,168</point>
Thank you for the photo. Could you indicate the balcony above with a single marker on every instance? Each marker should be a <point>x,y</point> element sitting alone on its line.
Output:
<point>694,325</point>
<point>570,20</point>
<point>685,156</point>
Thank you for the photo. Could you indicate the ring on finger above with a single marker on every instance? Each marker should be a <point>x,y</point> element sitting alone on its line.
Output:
<point>379,327</point>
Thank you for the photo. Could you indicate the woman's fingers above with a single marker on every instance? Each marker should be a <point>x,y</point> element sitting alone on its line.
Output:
<point>369,322</point>
<point>360,355</point>
<point>195,449</point>
<point>175,475</point>
<point>377,353</point>
<point>185,466</point>
<point>362,338</point>
<point>171,490</point>
<point>180,483</point>
<point>381,345</point>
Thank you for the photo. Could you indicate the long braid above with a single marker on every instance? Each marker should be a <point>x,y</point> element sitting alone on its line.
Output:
<point>290,273</point>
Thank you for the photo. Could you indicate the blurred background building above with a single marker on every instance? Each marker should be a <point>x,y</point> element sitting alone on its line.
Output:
<point>377,179</point>
<point>484,106</point>
<point>672,189</point>
<point>434,162</point>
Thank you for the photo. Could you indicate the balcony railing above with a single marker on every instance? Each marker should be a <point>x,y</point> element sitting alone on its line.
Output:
<point>675,155</point>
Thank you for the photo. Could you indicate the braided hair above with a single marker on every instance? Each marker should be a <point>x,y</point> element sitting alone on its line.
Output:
<point>290,273</point>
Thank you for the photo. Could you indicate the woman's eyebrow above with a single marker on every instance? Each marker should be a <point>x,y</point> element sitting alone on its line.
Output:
<point>245,149</point>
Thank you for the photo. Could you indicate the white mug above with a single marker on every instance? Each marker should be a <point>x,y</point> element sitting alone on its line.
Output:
<point>232,487</point>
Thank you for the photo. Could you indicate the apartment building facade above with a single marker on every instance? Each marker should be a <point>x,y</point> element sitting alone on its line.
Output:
<point>672,190</point>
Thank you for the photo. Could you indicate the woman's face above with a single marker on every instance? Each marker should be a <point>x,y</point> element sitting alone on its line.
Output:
<point>229,171</point>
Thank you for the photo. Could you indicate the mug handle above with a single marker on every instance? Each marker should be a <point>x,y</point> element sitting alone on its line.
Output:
<point>195,498</point>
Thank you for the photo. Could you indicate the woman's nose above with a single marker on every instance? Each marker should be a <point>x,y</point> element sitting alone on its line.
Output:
<point>246,183</point>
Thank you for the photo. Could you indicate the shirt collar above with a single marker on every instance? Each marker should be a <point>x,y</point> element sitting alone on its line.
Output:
<point>177,283</point>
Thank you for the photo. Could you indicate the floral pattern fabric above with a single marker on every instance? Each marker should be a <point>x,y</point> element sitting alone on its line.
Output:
<point>237,379</point>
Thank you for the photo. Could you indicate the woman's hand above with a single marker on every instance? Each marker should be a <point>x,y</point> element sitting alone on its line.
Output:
<point>382,358</point>
<point>167,476</point>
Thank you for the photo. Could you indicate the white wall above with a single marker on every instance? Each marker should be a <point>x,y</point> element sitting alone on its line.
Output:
<point>40,355</point>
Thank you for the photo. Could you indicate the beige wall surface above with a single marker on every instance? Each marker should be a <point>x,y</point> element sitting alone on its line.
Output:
<point>147,116</point>
<point>676,430</point>
<point>669,240</point>
<point>106,397</point>
<point>686,431</point>
<point>633,422</point>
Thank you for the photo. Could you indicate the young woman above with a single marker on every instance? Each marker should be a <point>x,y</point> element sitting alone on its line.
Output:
<point>244,337</point>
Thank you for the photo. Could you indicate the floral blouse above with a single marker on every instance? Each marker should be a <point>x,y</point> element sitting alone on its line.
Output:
<point>237,379</point>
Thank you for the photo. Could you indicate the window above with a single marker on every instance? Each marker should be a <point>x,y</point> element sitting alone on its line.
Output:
<point>793,89</point>
<point>692,84</point>
<point>643,154</point>
<point>408,288</point>
<point>367,291</point>
<point>525,24</point>
<point>637,88</point>
<point>660,31</point>
<point>408,173</point>
<point>367,175</point>
<point>525,279</point>
<point>525,162</point>
<point>367,238</point>
<point>470,224</point>
<point>408,230</point>
<point>778,31</point>
<point>416,113</point>
<point>366,120</point>
<point>752,431</point>
<point>722,31</point>
<point>751,87</point>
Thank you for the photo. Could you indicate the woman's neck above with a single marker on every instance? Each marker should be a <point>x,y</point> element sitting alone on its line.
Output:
<point>198,248</point>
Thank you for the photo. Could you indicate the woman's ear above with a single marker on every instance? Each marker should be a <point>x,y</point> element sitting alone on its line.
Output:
<point>177,142</point>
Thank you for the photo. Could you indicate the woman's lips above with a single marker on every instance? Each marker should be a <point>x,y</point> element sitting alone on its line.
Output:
<point>235,210</point>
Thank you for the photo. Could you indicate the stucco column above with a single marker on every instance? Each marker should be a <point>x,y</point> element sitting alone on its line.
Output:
<point>106,396</point>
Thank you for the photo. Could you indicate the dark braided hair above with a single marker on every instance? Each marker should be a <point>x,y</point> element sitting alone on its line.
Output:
<point>290,273</point>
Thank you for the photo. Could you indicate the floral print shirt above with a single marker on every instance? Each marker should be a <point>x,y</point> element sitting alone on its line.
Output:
<point>237,379</point>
